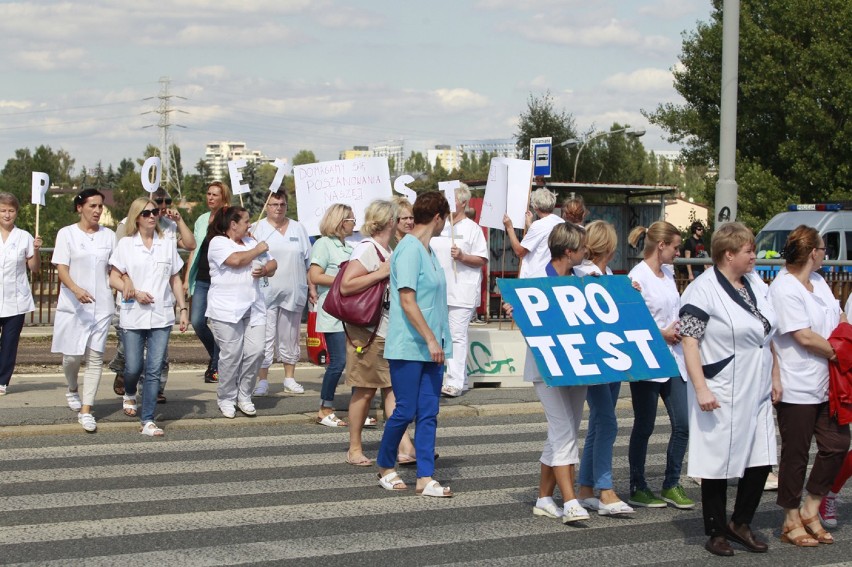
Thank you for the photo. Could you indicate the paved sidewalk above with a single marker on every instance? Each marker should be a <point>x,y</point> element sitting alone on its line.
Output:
<point>36,404</point>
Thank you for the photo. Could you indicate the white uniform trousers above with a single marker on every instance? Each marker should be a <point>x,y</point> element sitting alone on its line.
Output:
<point>240,356</point>
<point>282,336</point>
<point>456,373</point>
<point>563,408</point>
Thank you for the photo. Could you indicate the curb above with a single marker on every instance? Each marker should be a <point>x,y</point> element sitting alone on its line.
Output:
<point>190,423</point>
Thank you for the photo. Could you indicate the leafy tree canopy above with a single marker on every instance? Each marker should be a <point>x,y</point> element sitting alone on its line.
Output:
<point>794,135</point>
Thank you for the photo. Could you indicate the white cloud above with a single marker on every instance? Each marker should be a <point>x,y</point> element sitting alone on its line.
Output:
<point>49,59</point>
<point>672,9</point>
<point>648,79</point>
<point>613,33</point>
<point>15,104</point>
<point>212,72</point>
<point>460,99</point>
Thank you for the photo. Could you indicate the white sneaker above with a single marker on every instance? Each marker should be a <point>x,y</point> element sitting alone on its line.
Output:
<point>293,387</point>
<point>73,399</point>
<point>2,390</point>
<point>262,388</point>
<point>247,408</point>
<point>547,507</point>
<point>227,409</point>
<point>573,512</point>
<point>88,422</point>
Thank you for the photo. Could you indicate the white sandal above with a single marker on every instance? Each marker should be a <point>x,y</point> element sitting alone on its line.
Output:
<point>151,430</point>
<point>435,490</point>
<point>331,420</point>
<point>391,481</point>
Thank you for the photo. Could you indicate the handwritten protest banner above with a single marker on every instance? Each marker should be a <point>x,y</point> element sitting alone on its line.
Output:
<point>506,192</point>
<point>355,182</point>
<point>591,330</point>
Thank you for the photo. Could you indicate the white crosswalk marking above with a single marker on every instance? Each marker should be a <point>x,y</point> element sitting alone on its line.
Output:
<point>284,496</point>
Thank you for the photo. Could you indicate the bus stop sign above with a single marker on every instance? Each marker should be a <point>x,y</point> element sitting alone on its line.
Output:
<point>541,152</point>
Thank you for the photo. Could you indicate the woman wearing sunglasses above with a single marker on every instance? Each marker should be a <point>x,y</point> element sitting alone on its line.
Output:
<point>146,270</point>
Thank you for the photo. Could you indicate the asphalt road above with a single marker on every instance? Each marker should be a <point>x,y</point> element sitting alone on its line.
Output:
<point>282,495</point>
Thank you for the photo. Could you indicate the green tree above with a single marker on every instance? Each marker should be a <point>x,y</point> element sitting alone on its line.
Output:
<point>417,164</point>
<point>304,157</point>
<point>541,119</point>
<point>794,99</point>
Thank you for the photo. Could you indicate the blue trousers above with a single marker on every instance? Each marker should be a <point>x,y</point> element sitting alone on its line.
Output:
<point>135,340</point>
<point>596,462</point>
<point>10,333</point>
<point>336,343</point>
<point>417,388</point>
<point>199,322</point>
<point>645,395</point>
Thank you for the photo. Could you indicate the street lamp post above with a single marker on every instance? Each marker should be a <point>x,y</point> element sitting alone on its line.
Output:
<point>572,143</point>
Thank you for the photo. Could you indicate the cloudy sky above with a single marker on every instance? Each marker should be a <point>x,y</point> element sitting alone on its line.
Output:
<point>324,75</point>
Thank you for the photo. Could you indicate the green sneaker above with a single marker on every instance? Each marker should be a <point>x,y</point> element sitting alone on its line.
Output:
<point>645,499</point>
<point>676,496</point>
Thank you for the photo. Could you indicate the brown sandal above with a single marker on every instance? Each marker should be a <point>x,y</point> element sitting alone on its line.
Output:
<point>118,385</point>
<point>803,540</point>
<point>818,534</point>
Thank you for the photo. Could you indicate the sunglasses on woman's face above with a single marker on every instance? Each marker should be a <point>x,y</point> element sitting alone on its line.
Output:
<point>160,201</point>
<point>149,212</point>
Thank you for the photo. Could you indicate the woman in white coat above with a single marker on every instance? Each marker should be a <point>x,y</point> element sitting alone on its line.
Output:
<point>85,306</point>
<point>18,251</point>
<point>286,293</point>
<point>727,323</point>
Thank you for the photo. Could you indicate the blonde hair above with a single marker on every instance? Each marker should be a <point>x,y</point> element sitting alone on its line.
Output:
<point>332,221</point>
<point>601,239</point>
<point>378,216</point>
<point>730,237</point>
<point>660,231</point>
<point>463,193</point>
<point>136,208</point>
<point>543,200</point>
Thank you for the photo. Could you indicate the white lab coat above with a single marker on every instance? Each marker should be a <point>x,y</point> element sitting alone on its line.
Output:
<point>737,364</point>
<point>76,324</point>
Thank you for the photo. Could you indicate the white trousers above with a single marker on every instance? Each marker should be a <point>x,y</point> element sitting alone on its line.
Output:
<point>282,335</point>
<point>563,408</point>
<point>456,373</point>
<point>91,378</point>
<point>240,356</point>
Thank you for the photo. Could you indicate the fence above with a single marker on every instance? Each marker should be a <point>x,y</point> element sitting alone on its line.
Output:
<point>45,284</point>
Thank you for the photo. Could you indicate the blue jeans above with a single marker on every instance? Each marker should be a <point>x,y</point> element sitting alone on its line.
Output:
<point>417,388</point>
<point>645,394</point>
<point>10,333</point>
<point>199,322</point>
<point>336,343</point>
<point>134,357</point>
<point>596,462</point>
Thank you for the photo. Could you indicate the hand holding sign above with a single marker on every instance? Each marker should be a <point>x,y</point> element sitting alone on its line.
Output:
<point>400,185</point>
<point>585,331</point>
<point>41,181</point>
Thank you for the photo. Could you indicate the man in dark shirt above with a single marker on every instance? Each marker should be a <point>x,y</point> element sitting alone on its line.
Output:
<point>694,248</point>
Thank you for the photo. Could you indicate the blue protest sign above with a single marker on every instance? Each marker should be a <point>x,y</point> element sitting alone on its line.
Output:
<point>590,330</point>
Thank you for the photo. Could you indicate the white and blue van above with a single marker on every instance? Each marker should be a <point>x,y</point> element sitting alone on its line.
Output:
<point>832,220</point>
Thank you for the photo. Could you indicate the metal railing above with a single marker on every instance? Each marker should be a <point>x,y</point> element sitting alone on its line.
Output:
<point>45,288</point>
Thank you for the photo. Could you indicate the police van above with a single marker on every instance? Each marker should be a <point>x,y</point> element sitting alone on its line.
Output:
<point>832,220</point>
